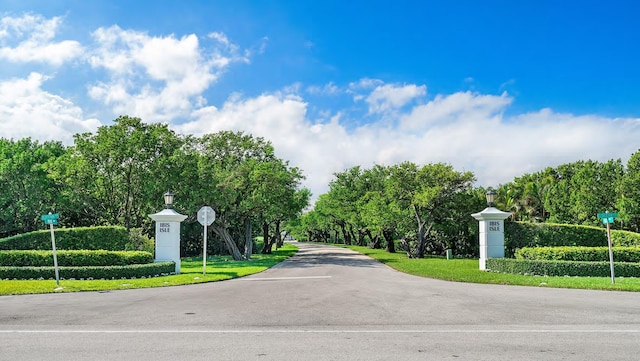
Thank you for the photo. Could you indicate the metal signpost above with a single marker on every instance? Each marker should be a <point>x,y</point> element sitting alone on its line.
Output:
<point>52,219</point>
<point>608,218</point>
<point>206,216</point>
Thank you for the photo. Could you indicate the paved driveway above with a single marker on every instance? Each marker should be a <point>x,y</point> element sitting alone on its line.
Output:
<point>325,303</point>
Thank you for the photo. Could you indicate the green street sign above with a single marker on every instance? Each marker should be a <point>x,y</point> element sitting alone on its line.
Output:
<point>50,218</point>
<point>607,215</point>
<point>45,217</point>
<point>609,220</point>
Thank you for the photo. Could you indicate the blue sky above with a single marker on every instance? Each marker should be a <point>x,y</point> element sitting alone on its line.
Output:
<point>499,88</point>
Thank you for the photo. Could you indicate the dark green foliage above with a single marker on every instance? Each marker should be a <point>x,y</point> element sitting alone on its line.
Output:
<point>562,268</point>
<point>586,254</point>
<point>19,258</point>
<point>520,234</point>
<point>107,238</point>
<point>26,189</point>
<point>111,272</point>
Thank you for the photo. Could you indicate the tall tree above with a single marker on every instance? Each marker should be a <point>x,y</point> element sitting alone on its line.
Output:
<point>243,180</point>
<point>26,189</point>
<point>117,175</point>
<point>427,193</point>
<point>374,205</point>
<point>629,194</point>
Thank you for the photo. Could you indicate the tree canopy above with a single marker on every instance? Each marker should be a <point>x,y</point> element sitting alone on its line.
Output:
<point>117,175</point>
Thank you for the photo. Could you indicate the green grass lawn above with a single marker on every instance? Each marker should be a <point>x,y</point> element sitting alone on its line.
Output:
<point>466,270</point>
<point>218,268</point>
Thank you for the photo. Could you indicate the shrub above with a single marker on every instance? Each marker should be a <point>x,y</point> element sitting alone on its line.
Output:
<point>562,268</point>
<point>138,241</point>
<point>521,234</point>
<point>586,254</point>
<point>109,238</point>
<point>110,272</point>
<point>18,258</point>
<point>625,238</point>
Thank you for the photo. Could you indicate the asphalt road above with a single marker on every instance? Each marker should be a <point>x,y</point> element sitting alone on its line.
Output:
<point>325,303</point>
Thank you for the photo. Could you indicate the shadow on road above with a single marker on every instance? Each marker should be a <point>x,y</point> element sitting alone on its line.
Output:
<point>315,257</point>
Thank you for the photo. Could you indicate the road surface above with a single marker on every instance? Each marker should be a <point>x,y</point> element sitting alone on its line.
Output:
<point>325,303</point>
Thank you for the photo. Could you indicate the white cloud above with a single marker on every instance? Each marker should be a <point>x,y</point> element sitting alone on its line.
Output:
<point>389,97</point>
<point>163,78</point>
<point>467,130</point>
<point>157,78</point>
<point>29,38</point>
<point>453,108</point>
<point>28,111</point>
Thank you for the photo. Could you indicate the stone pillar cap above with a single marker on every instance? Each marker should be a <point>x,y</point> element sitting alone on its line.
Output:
<point>491,214</point>
<point>168,215</point>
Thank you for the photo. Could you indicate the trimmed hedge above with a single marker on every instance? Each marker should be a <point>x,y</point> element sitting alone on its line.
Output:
<point>585,254</point>
<point>111,272</point>
<point>521,234</point>
<point>110,238</point>
<point>562,268</point>
<point>624,238</point>
<point>74,258</point>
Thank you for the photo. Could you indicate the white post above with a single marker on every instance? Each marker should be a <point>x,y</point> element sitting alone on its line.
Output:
<point>205,219</point>
<point>491,234</point>
<point>204,248</point>
<point>168,236</point>
<point>613,278</point>
<point>55,257</point>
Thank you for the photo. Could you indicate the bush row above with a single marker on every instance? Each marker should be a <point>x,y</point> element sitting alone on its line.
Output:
<point>75,258</point>
<point>109,238</point>
<point>110,272</point>
<point>521,234</point>
<point>562,268</point>
<point>586,254</point>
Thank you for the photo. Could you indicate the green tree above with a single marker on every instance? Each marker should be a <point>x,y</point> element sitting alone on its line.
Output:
<point>118,175</point>
<point>379,217</point>
<point>594,189</point>
<point>426,194</point>
<point>629,194</point>
<point>26,188</point>
<point>242,179</point>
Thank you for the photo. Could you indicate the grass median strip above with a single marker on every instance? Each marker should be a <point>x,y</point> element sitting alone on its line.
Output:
<point>219,268</point>
<point>466,270</point>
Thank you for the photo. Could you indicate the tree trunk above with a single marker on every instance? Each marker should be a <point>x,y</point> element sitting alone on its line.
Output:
<point>388,236</point>
<point>345,234</point>
<point>374,241</point>
<point>248,239</point>
<point>421,232</point>
<point>422,240</point>
<point>223,233</point>
<point>266,245</point>
<point>407,247</point>
<point>278,235</point>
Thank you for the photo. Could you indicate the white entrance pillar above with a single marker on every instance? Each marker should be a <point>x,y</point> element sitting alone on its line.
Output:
<point>491,234</point>
<point>168,236</point>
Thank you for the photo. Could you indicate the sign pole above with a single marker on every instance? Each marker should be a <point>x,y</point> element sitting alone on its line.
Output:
<point>204,248</point>
<point>613,280</point>
<point>205,219</point>
<point>55,258</point>
<point>608,218</point>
